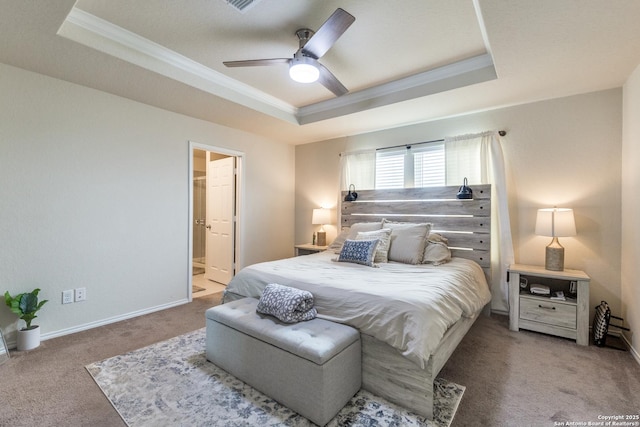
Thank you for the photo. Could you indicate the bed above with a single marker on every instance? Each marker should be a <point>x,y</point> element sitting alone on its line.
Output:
<point>411,316</point>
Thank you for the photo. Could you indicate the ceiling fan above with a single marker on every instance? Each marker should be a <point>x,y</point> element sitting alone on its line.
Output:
<point>304,66</point>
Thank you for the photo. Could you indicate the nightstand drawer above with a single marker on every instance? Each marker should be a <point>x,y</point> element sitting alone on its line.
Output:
<point>547,311</point>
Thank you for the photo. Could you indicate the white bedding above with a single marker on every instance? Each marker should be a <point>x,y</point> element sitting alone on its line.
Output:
<point>410,307</point>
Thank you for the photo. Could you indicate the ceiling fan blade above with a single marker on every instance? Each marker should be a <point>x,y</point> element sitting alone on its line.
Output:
<point>328,33</point>
<point>257,62</point>
<point>328,80</point>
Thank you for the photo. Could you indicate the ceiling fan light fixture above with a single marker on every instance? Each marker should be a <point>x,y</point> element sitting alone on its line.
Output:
<point>303,70</point>
<point>304,66</point>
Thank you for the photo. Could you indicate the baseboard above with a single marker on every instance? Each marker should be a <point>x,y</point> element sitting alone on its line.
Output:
<point>626,342</point>
<point>79,328</point>
<point>632,350</point>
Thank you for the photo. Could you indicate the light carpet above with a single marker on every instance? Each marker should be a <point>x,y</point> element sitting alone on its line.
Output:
<point>171,383</point>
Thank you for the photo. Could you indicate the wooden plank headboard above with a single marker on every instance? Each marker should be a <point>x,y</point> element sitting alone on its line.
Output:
<point>466,223</point>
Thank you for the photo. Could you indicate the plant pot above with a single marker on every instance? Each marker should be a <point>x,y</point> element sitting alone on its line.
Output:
<point>28,339</point>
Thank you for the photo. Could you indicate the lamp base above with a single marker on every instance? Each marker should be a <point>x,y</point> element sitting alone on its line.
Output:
<point>554,256</point>
<point>322,238</point>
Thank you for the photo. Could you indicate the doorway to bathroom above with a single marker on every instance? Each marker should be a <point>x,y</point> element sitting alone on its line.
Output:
<point>214,218</point>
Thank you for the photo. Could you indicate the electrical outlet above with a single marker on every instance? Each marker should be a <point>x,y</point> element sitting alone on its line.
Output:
<point>81,294</point>
<point>67,296</point>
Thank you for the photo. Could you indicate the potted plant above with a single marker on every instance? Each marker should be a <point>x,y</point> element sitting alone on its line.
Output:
<point>26,306</point>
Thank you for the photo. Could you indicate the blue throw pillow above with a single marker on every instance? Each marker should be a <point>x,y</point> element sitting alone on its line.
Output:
<point>359,251</point>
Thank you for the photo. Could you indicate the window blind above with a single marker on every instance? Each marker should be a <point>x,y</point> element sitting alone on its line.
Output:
<point>429,165</point>
<point>404,167</point>
<point>390,168</point>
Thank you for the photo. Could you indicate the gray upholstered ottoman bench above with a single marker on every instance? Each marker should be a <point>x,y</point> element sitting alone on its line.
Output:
<point>311,367</point>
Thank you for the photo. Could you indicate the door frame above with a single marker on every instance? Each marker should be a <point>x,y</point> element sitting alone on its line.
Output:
<point>239,225</point>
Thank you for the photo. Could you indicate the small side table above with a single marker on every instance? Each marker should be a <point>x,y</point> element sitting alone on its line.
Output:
<point>540,313</point>
<point>308,249</point>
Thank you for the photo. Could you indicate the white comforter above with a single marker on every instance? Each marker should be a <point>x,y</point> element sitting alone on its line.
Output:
<point>410,307</point>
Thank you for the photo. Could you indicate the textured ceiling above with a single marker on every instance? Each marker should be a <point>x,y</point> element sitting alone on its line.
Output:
<point>538,50</point>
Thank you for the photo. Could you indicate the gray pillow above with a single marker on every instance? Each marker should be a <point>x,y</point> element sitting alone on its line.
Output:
<point>407,241</point>
<point>351,233</point>
<point>437,252</point>
<point>337,243</point>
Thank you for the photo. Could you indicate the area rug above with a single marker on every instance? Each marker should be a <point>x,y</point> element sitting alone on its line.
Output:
<point>172,384</point>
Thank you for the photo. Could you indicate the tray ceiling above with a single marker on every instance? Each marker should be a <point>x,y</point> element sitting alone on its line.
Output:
<point>403,62</point>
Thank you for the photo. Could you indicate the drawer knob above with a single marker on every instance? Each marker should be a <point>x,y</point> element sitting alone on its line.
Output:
<point>545,307</point>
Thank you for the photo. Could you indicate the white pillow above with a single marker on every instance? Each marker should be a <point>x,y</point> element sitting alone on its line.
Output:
<point>384,235</point>
<point>437,252</point>
<point>363,226</point>
<point>407,241</point>
<point>351,233</point>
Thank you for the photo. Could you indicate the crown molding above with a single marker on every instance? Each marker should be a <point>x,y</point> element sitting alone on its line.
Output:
<point>106,37</point>
<point>102,35</point>
<point>458,74</point>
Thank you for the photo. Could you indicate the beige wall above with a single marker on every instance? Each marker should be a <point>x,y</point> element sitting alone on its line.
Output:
<point>317,185</point>
<point>631,209</point>
<point>94,193</point>
<point>563,152</point>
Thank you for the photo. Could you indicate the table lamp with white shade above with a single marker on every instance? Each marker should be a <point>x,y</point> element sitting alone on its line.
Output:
<point>321,217</point>
<point>555,222</point>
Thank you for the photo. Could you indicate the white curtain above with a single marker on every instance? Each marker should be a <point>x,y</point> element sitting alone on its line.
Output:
<point>478,157</point>
<point>358,168</point>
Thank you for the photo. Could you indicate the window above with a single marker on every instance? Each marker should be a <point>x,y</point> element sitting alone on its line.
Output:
<point>390,169</point>
<point>417,166</point>
<point>429,165</point>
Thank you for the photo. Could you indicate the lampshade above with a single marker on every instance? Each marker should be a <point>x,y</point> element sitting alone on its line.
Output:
<point>302,69</point>
<point>321,216</point>
<point>555,222</point>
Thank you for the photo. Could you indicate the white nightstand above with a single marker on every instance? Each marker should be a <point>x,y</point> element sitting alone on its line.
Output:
<point>308,249</point>
<point>569,318</point>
